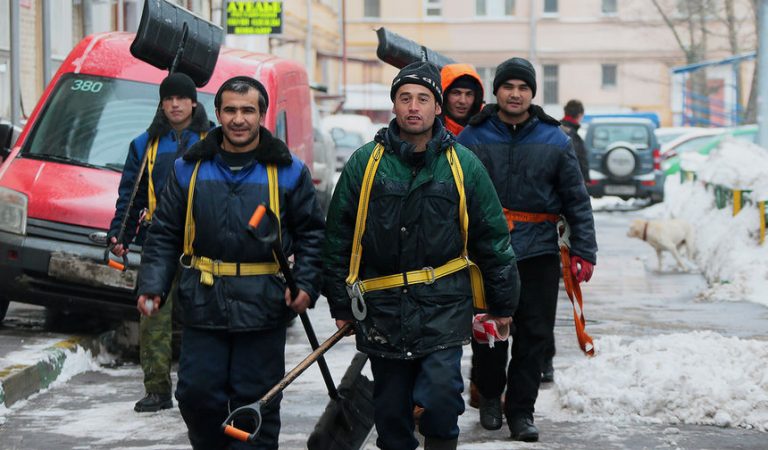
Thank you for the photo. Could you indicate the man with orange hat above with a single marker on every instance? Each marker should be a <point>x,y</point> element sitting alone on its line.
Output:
<point>463,95</point>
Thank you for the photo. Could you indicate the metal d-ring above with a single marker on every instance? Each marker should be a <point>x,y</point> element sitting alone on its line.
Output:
<point>359,310</point>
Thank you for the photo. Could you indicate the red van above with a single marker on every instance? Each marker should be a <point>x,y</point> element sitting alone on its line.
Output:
<point>58,186</point>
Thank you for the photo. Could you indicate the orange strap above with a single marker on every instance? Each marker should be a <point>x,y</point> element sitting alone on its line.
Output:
<point>520,216</point>
<point>573,289</point>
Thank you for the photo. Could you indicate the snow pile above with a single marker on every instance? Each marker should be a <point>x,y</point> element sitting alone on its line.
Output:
<point>727,247</point>
<point>692,378</point>
<point>738,164</point>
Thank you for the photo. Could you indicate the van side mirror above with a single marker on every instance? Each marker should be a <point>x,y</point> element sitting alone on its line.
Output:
<point>6,139</point>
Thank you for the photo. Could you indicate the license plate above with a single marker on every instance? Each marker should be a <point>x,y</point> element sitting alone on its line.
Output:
<point>620,189</point>
<point>74,269</point>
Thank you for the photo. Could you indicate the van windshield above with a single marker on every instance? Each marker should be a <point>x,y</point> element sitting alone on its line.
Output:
<point>91,120</point>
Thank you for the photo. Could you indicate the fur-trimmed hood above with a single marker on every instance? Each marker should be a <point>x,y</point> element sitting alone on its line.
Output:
<point>270,150</point>
<point>493,108</point>
<point>160,125</point>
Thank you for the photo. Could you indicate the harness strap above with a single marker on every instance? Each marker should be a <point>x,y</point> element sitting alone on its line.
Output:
<point>426,275</point>
<point>522,216</point>
<point>151,157</point>
<point>210,268</point>
<point>573,290</point>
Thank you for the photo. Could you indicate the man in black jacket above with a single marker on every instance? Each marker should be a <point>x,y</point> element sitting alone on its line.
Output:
<point>536,174</point>
<point>234,304</point>
<point>573,112</point>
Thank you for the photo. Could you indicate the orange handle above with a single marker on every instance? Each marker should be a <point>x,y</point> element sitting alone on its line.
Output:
<point>236,433</point>
<point>257,216</point>
<point>115,265</point>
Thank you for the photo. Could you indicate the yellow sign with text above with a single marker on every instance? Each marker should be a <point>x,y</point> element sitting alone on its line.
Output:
<point>254,17</point>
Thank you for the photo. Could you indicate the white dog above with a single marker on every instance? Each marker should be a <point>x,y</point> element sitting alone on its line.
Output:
<point>670,235</point>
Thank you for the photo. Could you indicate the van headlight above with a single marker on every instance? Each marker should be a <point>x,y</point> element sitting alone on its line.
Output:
<point>13,211</point>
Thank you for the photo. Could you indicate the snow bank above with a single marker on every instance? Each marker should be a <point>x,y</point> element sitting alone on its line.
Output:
<point>693,378</point>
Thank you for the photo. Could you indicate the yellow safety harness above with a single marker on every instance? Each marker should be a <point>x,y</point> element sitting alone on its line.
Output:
<point>210,268</point>
<point>151,157</point>
<point>427,275</point>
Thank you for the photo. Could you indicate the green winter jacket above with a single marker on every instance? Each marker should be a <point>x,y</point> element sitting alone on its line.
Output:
<point>413,222</point>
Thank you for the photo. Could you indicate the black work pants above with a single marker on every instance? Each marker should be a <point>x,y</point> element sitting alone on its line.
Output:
<point>220,371</point>
<point>433,382</point>
<point>534,324</point>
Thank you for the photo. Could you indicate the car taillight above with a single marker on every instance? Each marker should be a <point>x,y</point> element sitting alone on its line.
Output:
<point>656,159</point>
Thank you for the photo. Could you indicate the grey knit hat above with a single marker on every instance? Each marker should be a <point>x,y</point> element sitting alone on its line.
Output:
<point>421,72</point>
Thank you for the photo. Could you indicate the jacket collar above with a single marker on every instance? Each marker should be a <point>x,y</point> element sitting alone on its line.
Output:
<point>390,138</point>
<point>160,125</point>
<point>490,112</point>
<point>269,151</point>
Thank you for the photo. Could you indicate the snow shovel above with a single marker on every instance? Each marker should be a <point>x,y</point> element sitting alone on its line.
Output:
<point>349,417</point>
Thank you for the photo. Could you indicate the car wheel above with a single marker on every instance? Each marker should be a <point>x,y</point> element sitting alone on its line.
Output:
<point>657,198</point>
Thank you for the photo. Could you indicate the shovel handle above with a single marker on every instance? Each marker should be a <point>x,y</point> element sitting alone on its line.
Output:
<point>237,433</point>
<point>114,264</point>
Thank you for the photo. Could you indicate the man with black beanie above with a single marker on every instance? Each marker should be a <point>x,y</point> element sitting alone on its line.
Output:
<point>179,122</point>
<point>463,91</point>
<point>417,321</point>
<point>537,177</point>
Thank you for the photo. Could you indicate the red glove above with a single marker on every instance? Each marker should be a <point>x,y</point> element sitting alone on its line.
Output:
<point>581,269</point>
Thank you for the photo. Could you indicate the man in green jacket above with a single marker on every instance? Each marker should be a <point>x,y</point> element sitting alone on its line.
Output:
<point>402,272</point>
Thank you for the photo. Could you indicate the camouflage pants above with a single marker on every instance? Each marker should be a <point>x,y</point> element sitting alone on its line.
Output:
<point>155,349</point>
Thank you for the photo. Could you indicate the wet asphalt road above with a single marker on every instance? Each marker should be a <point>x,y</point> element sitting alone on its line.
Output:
<point>626,297</point>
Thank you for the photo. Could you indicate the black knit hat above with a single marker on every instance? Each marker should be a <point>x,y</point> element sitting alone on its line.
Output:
<point>178,84</point>
<point>421,72</point>
<point>515,69</point>
<point>253,82</point>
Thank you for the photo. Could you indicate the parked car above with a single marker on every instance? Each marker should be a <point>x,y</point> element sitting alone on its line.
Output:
<point>59,185</point>
<point>349,132</point>
<point>324,167</point>
<point>668,134</point>
<point>624,159</point>
<point>691,141</point>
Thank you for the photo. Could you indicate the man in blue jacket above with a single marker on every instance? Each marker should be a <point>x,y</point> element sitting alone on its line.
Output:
<point>537,177</point>
<point>179,122</point>
<point>235,306</point>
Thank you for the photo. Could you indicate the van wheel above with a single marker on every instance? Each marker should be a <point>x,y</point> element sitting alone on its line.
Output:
<point>4,302</point>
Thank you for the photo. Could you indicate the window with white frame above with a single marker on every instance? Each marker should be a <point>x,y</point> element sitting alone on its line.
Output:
<point>551,84</point>
<point>371,8</point>
<point>609,75</point>
<point>494,8</point>
<point>609,7</point>
<point>550,6</point>
<point>433,8</point>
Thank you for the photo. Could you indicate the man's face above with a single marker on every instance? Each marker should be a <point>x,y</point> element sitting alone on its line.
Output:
<point>459,102</point>
<point>415,109</point>
<point>240,119</point>
<point>514,98</point>
<point>178,110</point>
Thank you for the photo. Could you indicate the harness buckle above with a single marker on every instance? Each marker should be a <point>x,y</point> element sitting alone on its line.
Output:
<point>183,264</point>
<point>359,310</point>
<point>431,271</point>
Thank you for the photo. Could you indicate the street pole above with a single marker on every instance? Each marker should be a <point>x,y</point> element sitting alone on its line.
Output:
<point>15,65</point>
<point>46,42</point>
<point>762,74</point>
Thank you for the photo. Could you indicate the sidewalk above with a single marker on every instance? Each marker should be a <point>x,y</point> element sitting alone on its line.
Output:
<point>30,358</point>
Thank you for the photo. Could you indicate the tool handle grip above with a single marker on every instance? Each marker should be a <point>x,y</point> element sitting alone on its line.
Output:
<point>257,216</point>
<point>238,434</point>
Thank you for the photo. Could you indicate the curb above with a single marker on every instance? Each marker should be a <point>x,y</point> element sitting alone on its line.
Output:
<point>18,381</point>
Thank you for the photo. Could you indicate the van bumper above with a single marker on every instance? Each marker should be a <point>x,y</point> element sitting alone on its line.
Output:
<point>70,276</point>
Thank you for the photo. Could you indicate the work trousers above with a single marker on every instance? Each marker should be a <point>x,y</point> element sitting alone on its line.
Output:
<point>155,347</point>
<point>433,382</point>
<point>533,333</point>
<point>220,371</point>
